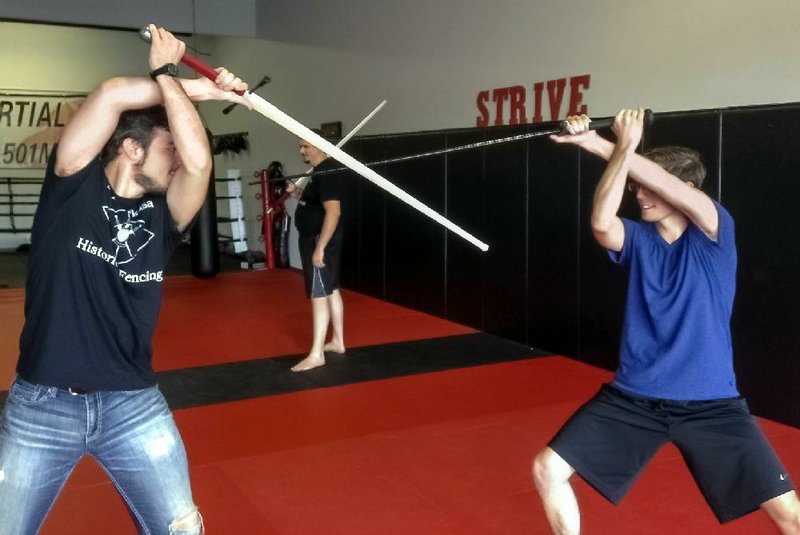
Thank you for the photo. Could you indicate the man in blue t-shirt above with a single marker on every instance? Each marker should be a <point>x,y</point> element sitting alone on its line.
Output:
<point>675,381</point>
<point>127,177</point>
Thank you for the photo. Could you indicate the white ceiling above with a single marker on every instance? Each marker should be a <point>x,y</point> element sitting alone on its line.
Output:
<point>210,17</point>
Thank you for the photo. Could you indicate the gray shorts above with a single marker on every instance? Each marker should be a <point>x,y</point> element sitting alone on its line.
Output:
<point>321,282</point>
<point>612,437</point>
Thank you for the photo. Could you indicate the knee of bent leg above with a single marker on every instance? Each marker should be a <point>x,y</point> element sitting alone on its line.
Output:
<point>541,472</point>
<point>547,469</point>
<point>190,523</point>
<point>785,512</point>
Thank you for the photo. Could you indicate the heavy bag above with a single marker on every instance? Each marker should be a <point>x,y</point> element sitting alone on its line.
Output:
<point>205,243</point>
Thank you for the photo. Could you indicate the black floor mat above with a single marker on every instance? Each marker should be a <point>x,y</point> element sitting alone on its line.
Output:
<point>193,387</point>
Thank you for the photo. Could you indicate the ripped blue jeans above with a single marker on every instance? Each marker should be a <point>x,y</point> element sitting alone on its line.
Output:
<point>45,431</point>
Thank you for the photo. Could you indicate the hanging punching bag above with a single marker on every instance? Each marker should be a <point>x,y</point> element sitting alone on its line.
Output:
<point>205,248</point>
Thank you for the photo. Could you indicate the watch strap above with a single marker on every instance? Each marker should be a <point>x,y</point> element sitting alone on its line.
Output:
<point>170,69</point>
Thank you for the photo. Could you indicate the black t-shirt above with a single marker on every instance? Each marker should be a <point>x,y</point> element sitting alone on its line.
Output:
<point>328,187</point>
<point>94,282</point>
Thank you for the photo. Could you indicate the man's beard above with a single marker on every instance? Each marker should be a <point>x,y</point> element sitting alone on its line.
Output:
<point>149,185</point>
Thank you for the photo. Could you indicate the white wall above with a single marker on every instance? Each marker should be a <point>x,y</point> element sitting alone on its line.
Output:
<point>60,59</point>
<point>334,61</point>
<point>39,58</point>
<point>430,58</point>
<point>435,55</point>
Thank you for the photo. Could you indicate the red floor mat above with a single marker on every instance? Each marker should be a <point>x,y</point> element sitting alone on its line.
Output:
<point>441,453</point>
<point>242,316</point>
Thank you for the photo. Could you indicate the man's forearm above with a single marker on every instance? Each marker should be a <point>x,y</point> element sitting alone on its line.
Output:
<point>610,189</point>
<point>140,92</point>
<point>186,127</point>
<point>638,166</point>
<point>600,147</point>
<point>127,93</point>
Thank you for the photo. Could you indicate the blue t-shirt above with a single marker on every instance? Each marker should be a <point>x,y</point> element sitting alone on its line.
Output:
<point>676,340</point>
<point>94,283</point>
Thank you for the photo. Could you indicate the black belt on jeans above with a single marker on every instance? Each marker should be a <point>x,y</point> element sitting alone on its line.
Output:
<point>78,391</point>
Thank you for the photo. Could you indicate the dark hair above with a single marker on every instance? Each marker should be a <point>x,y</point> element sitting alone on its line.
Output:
<point>320,133</point>
<point>682,162</point>
<point>137,125</point>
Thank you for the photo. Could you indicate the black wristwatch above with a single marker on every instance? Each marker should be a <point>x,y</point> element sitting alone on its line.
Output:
<point>170,69</point>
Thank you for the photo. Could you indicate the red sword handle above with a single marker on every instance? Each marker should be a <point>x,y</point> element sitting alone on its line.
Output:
<point>190,61</point>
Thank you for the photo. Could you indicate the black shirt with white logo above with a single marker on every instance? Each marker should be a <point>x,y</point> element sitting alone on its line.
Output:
<point>335,186</point>
<point>94,283</point>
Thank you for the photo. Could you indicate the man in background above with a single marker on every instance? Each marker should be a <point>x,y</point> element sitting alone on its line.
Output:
<point>318,219</point>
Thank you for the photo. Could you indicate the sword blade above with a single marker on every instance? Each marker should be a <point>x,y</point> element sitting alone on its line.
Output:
<point>271,112</point>
<point>301,182</point>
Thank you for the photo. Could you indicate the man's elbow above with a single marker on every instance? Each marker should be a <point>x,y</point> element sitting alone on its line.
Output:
<point>605,232</point>
<point>600,236</point>
<point>601,225</point>
<point>604,239</point>
<point>118,88</point>
<point>112,85</point>
<point>199,166</point>
<point>611,238</point>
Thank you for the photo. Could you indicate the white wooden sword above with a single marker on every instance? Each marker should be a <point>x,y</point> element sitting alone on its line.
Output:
<point>301,182</point>
<point>271,112</point>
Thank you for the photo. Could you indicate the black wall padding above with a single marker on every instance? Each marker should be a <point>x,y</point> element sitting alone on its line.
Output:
<point>553,262</point>
<point>413,241</point>
<point>369,277</point>
<point>761,188</point>
<point>465,207</point>
<point>544,281</point>
<point>505,194</point>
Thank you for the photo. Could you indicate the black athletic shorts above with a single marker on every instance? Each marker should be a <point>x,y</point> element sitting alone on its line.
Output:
<point>612,437</point>
<point>321,282</point>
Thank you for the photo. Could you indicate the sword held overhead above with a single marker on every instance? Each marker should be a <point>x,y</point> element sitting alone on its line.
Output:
<point>273,113</point>
<point>561,128</point>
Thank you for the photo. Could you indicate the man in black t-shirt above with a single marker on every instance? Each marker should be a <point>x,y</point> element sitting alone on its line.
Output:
<point>128,176</point>
<point>318,219</point>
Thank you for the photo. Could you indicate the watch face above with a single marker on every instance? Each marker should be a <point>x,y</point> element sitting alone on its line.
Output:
<point>170,69</point>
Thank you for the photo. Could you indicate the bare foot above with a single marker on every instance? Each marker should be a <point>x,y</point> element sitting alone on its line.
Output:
<point>309,363</point>
<point>334,347</point>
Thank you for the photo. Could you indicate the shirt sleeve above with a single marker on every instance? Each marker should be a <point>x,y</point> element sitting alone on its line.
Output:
<point>331,185</point>
<point>725,244</point>
<point>57,189</point>
<point>623,257</point>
